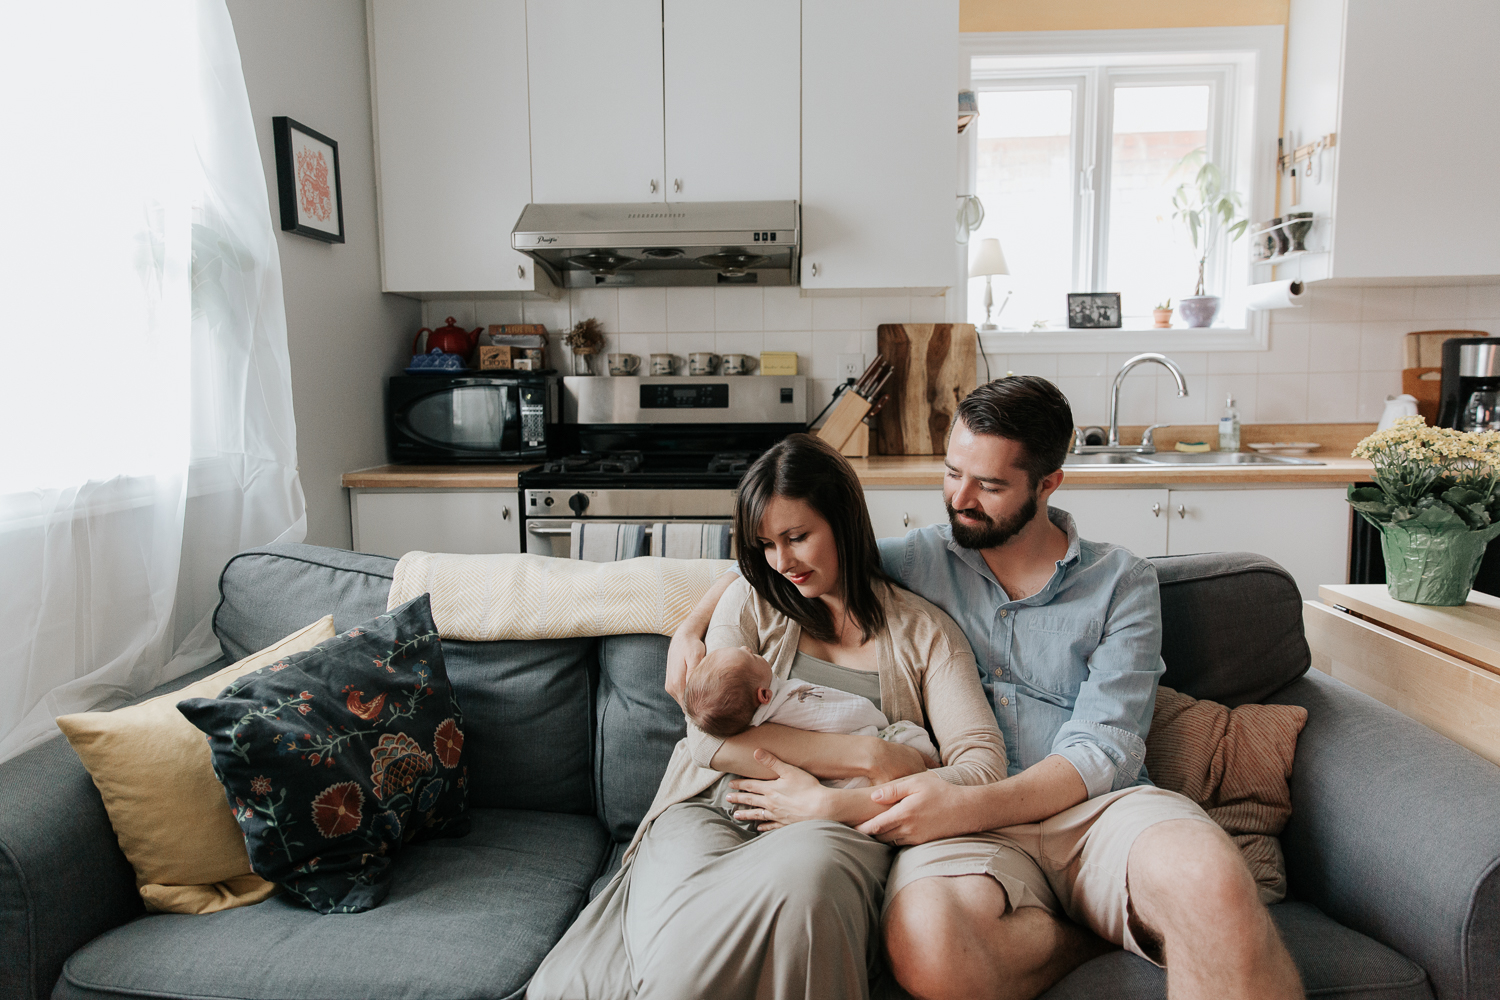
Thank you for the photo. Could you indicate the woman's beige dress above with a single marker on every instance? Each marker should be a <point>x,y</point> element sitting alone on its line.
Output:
<point>703,907</point>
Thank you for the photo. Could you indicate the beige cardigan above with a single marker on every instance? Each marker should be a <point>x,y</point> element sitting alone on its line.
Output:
<point>924,661</point>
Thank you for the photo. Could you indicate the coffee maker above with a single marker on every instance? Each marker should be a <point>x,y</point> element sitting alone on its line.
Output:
<point>1471,384</point>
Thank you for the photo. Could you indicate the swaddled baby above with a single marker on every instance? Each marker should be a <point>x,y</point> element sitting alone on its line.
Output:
<point>731,690</point>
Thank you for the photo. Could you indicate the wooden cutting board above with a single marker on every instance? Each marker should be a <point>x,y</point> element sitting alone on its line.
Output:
<point>934,365</point>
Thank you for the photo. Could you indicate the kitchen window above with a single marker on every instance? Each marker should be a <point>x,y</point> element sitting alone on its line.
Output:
<point>1075,157</point>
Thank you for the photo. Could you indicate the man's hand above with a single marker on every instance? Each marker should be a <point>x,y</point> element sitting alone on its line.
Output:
<point>890,761</point>
<point>682,655</point>
<point>921,808</point>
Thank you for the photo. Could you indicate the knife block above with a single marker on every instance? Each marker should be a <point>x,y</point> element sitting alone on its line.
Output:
<point>845,428</point>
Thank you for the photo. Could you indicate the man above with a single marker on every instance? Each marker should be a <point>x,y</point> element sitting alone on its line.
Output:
<point>1005,888</point>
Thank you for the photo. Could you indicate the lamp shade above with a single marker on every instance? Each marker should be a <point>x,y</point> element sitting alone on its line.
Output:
<point>989,260</point>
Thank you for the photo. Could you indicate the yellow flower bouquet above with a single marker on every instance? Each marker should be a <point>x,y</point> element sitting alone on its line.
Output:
<point>1435,504</point>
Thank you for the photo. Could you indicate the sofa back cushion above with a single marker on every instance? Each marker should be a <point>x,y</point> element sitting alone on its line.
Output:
<point>638,725</point>
<point>1231,626</point>
<point>528,710</point>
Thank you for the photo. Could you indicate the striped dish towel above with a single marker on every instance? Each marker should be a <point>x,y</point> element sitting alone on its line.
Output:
<point>605,541</point>
<point>690,540</point>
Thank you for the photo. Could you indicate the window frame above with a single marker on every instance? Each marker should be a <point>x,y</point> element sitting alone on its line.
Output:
<point>1242,65</point>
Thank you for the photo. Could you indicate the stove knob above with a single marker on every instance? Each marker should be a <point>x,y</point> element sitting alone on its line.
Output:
<point>578,502</point>
<point>548,501</point>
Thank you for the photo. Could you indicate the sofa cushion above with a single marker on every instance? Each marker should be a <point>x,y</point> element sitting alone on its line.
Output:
<point>1231,626</point>
<point>639,725</point>
<point>465,918</point>
<point>1332,960</point>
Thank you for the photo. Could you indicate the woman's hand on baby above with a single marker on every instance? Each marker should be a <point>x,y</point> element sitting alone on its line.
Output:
<point>889,761</point>
<point>793,797</point>
<point>921,808</point>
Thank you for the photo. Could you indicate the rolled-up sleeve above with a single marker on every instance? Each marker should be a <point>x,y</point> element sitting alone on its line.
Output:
<point>1105,739</point>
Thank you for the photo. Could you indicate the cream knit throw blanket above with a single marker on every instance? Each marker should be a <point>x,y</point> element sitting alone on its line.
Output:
<point>482,598</point>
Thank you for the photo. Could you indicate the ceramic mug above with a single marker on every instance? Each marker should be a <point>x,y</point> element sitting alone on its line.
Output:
<point>624,364</point>
<point>664,364</point>
<point>738,364</point>
<point>702,362</point>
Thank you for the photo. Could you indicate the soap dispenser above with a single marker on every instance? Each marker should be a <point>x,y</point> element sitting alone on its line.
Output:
<point>1229,426</point>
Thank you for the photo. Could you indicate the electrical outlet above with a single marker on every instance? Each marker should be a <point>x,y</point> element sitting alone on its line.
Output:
<point>851,365</point>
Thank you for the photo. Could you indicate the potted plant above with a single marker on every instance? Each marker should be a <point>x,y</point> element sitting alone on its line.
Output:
<point>1162,314</point>
<point>1207,210</point>
<point>585,339</point>
<point>1435,505</point>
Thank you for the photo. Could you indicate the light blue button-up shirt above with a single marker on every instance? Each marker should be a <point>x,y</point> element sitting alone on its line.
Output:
<point>1072,669</point>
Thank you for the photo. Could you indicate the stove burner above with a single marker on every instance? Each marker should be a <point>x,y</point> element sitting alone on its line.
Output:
<point>625,461</point>
<point>571,463</point>
<point>730,461</point>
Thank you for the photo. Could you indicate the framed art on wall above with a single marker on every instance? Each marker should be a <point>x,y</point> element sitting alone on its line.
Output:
<point>307,178</point>
<point>1093,310</point>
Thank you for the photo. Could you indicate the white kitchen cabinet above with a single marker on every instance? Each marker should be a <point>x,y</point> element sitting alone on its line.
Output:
<point>1135,519</point>
<point>1305,530</point>
<point>449,98</point>
<point>732,91</point>
<point>894,512</point>
<point>879,86</point>
<point>596,100</point>
<point>395,522</point>
<point>1409,186</point>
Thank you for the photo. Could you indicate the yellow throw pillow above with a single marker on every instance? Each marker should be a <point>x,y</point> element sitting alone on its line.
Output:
<point>155,773</point>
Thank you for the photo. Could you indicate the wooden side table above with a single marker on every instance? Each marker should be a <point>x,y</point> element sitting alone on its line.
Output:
<point>1440,666</point>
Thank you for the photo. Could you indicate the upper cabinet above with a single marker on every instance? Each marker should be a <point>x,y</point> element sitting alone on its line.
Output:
<point>732,86</point>
<point>1408,190</point>
<point>448,91</point>
<point>879,100</point>
<point>596,100</point>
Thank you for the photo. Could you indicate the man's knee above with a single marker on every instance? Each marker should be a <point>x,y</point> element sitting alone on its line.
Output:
<point>1188,876</point>
<point>938,934</point>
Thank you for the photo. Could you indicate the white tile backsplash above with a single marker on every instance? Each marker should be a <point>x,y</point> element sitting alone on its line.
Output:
<point>1335,360</point>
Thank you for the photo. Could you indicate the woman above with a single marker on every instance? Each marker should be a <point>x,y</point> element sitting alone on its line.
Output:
<point>783,902</point>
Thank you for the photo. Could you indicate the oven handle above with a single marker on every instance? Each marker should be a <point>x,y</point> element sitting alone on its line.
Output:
<point>544,530</point>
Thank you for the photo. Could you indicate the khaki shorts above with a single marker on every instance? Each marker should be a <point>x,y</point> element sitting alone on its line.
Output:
<point>1070,865</point>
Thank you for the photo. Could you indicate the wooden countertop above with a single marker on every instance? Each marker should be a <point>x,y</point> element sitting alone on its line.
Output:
<point>904,470</point>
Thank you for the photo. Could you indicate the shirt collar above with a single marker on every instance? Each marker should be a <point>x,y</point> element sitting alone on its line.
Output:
<point>975,561</point>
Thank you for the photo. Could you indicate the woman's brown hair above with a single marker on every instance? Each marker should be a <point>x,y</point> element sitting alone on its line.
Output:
<point>802,467</point>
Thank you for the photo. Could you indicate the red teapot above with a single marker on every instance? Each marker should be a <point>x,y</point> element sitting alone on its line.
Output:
<point>450,339</point>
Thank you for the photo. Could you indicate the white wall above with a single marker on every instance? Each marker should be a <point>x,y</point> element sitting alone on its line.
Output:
<point>1332,361</point>
<point>309,61</point>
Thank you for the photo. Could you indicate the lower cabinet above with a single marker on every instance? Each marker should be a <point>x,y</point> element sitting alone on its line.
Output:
<point>393,523</point>
<point>1304,529</point>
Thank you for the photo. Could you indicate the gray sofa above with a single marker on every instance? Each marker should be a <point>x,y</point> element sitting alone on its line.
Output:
<point>1393,850</point>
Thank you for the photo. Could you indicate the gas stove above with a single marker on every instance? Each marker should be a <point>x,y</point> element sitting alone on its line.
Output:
<point>650,450</point>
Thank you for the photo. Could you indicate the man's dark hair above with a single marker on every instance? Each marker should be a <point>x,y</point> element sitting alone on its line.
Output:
<point>1026,409</point>
<point>806,468</point>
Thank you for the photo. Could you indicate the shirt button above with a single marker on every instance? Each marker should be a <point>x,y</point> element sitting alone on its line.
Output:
<point>1004,613</point>
<point>1005,701</point>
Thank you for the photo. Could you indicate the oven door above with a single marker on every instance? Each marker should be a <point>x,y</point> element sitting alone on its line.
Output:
<point>553,536</point>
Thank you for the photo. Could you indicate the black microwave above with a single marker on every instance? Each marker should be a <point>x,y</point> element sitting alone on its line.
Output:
<point>469,417</point>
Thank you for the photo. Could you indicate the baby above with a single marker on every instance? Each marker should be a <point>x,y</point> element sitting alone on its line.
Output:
<point>732,689</point>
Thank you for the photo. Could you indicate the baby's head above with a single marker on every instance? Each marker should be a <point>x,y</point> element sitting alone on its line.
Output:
<point>725,689</point>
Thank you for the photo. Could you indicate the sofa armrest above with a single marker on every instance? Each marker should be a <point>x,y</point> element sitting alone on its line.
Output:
<point>63,880</point>
<point>1395,832</point>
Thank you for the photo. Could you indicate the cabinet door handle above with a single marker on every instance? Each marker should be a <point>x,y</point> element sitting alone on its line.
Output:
<point>1181,511</point>
<point>653,185</point>
<point>815,269</point>
<point>505,513</point>
<point>905,520</point>
<point>1156,510</point>
<point>521,272</point>
<point>677,185</point>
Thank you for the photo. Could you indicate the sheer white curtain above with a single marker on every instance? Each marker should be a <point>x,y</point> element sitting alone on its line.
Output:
<point>146,417</point>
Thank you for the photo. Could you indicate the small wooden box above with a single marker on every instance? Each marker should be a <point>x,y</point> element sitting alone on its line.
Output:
<point>492,356</point>
<point>778,362</point>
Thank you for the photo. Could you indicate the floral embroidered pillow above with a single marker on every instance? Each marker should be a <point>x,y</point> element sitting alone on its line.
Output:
<point>334,757</point>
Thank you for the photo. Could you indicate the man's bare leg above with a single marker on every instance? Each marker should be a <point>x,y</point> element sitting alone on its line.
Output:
<point>950,937</point>
<point>1190,888</point>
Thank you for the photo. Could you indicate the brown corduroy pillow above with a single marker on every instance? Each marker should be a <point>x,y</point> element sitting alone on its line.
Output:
<point>1235,763</point>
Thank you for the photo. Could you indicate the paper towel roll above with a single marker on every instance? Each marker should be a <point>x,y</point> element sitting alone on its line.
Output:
<point>1276,295</point>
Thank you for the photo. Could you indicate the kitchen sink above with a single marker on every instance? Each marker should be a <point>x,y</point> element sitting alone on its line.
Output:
<point>1199,459</point>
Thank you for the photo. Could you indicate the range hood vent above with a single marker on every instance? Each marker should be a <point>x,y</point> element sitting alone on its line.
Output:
<point>644,245</point>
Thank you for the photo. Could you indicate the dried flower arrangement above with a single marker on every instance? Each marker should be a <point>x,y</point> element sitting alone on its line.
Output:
<point>587,337</point>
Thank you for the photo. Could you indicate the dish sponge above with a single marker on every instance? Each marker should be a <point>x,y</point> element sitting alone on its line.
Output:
<point>1192,446</point>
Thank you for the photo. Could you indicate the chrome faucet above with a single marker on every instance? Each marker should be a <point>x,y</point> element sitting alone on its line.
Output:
<point>1147,445</point>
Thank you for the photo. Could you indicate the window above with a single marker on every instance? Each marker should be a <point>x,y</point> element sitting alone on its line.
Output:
<point>1076,155</point>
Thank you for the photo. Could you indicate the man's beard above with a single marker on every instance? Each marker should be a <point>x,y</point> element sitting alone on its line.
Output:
<point>989,533</point>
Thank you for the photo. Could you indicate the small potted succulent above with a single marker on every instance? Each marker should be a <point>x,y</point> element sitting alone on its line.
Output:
<point>1207,210</point>
<point>1435,505</point>
<point>1162,314</point>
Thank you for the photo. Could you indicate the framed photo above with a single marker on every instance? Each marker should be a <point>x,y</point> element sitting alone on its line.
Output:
<point>1093,310</point>
<point>307,177</point>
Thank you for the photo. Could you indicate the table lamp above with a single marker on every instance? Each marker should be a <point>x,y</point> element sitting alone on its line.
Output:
<point>989,261</point>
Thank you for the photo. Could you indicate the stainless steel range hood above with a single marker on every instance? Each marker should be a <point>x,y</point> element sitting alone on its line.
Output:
<point>688,243</point>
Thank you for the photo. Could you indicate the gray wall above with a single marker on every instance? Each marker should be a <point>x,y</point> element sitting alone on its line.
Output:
<point>309,61</point>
